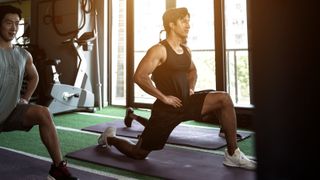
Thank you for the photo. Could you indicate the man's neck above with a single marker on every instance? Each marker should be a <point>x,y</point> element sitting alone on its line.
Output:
<point>6,45</point>
<point>175,44</point>
<point>174,41</point>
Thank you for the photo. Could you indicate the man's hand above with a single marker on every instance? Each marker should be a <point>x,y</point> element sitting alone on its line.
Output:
<point>173,101</point>
<point>191,92</point>
<point>23,101</point>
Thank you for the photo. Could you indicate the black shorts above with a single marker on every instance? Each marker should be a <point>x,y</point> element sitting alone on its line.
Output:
<point>162,122</point>
<point>15,119</point>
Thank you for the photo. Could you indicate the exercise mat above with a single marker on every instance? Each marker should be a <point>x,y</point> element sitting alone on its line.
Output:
<point>168,163</point>
<point>186,135</point>
<point>18,166</point>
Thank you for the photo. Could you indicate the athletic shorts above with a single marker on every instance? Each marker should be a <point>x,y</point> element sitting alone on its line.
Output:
<point>15,119</point>
<point>162,123</point>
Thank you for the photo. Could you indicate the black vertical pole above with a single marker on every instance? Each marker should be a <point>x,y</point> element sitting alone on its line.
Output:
<point>283,47</point>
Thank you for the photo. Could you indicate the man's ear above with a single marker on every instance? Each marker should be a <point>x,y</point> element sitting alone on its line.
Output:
<point>171,25</point>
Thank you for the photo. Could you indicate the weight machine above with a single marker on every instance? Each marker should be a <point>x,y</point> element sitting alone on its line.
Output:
<point>66,98</point>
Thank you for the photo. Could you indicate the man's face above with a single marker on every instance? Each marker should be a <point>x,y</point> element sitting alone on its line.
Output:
<point>9,27</point>
<point>182,26</point>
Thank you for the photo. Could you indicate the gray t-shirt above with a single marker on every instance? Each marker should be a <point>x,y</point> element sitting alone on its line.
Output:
<point>12,66</point>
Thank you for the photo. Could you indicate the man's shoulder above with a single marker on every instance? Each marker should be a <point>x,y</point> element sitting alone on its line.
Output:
<point>22,52</point>
<point>20,49</point>
<point>23,49</point>
<point>157,47</point>
<point>157,51</point>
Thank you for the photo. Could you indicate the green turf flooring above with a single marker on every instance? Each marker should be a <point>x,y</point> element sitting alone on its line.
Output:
<point>72,138</point>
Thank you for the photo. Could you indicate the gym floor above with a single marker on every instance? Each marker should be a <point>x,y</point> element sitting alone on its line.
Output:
<point>72,138</point>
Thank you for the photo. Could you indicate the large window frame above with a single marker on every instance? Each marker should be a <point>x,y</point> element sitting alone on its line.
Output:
<point>220,50</point>
<point>223,74</point>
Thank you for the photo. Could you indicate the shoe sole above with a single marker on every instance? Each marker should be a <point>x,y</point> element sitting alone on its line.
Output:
<point>101,144</point>
<point>235,166</point>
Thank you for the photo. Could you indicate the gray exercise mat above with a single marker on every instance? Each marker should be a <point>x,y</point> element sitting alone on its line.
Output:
<point>200,137</point>
<point>16,166</point>
<point>169,163</point>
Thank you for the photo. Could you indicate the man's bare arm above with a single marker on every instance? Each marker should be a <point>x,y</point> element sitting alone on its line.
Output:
<point>31,75</point>
<point>192,77</point>
<point>155,56</point>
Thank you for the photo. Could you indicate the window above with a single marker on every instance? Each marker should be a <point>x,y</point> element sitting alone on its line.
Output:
<point>237,51</point>
<point>201,41</point>
<point>118,63</point>
<point>147,27</point>
<point>146,17</point>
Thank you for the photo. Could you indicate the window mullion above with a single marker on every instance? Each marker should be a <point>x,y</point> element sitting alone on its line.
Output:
<point>220,45</point>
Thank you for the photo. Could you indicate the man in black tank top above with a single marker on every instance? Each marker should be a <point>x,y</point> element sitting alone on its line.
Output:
<point>174,75</point>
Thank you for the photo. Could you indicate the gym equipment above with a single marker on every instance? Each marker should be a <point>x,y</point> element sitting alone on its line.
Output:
<point>65,97</point>
<point>99,85</point>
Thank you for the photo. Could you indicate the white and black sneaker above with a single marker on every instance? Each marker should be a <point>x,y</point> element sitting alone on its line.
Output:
<point>238,159</point>
<point>108,132</point>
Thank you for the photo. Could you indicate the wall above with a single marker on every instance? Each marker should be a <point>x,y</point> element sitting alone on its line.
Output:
<point>283,46</point>
<point>47,38</point>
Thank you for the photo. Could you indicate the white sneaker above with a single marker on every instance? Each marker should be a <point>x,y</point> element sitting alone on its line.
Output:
<point>238,159</point>
<point>108,132</point>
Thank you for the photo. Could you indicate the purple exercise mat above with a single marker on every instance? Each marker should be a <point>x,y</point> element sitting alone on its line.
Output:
<point>206,138</point>
<point>18,166</point>
<point>168,163</point>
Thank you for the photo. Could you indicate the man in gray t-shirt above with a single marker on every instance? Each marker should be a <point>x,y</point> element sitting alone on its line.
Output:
<point>15,112</point>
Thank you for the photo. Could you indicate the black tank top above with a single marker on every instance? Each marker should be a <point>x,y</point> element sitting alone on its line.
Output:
<point>171,77</point>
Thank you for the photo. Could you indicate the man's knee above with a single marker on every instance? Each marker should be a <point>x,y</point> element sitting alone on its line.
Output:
<point>40,114</point>
<point>43,110</point>
<point>140,154</point>
<point>226,100</point>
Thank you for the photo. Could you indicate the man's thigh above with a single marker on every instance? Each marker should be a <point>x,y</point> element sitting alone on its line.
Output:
<point>16,118</point>
<point>159,127</point>
<point>193,107</point>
